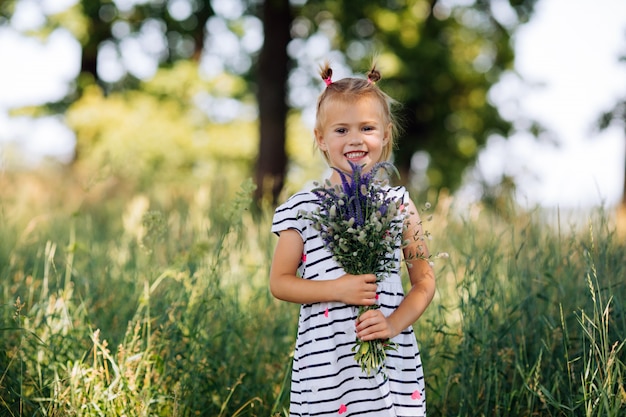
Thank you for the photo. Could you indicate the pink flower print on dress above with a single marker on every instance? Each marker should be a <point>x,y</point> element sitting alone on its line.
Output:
<point>343,409</point>
<point>304,257</point>
<point>326,312</point>
<point>416,395</point>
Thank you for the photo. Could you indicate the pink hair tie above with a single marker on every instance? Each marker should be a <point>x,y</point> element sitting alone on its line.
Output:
<point>369,81</point>
<point>328,81</point>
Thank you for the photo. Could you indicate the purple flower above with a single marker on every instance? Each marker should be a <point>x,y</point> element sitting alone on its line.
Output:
<point>361,224</point>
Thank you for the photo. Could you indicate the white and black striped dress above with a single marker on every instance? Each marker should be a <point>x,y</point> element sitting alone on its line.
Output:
<point>326,380</point>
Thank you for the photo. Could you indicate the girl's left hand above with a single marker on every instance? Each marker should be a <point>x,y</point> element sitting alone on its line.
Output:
<point>373,325</point>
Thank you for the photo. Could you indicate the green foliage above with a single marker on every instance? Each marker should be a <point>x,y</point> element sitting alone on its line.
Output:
<point>519,327</point>
<point>157,134</point>
<point>7,8</point>
<point>145,315</point>
<point>156,303</point>
<point>440,61</point>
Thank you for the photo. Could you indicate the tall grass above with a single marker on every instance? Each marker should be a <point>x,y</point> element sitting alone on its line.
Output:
<point>142,308</point>
<point>530,320</point>
<point>157,304</point>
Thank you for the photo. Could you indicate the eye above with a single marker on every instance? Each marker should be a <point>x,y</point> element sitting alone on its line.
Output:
<point>368,128</point>
<point>341,130</point>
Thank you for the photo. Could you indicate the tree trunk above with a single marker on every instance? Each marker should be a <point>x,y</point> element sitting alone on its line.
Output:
<point>272,90</point>
<point>98,31</point>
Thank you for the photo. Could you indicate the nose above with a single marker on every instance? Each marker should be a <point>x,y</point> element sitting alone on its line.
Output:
<point>355,139</point>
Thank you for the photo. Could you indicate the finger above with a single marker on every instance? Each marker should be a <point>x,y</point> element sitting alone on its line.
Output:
<point>371,286</point>
<point>369,278</point>
<point>365,300</point>
<point>362,325</point>
<point>370,293</point>
<point>373,314</point>
<point>370,301</point>
<point>371,323</point>
<point>360,319</point>
<point>376,331</point>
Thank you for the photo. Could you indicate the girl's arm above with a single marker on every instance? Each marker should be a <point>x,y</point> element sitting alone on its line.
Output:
<point>372,324</point>
<point>285,285</point>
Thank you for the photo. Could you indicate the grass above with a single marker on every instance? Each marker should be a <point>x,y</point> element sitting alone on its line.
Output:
<point>156,304</point>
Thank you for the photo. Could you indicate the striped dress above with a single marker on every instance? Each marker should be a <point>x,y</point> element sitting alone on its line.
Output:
<point>326,380</point>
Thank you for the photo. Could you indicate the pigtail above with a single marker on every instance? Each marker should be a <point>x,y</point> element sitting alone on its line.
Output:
<point>326,73</point>
<point>373,76</point>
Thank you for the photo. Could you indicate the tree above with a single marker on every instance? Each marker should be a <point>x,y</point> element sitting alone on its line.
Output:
<point>183,33</point>
<point>439,61</point>
<point>273,70</point>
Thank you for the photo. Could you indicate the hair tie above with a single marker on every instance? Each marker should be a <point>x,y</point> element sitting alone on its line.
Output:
<point>369,81</point>
<point>328,81</point>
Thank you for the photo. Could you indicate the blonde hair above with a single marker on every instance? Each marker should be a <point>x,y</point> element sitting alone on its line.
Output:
<point>352,89</point>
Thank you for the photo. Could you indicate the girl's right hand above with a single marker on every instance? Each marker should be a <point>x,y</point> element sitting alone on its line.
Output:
<point>359,290</point>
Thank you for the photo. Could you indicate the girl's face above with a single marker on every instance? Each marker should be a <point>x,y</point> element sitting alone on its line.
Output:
<point>352,131</point>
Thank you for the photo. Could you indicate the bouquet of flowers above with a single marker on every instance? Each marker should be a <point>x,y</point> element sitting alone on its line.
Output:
<point>362,225</point>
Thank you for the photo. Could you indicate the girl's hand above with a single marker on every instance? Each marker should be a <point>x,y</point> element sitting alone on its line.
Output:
<point>374,325</point>
<point>358,290</point>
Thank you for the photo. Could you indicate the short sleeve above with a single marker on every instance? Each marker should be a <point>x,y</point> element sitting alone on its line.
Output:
<point>287,215</point>
<point>399,193</point>
<point>403,194</point>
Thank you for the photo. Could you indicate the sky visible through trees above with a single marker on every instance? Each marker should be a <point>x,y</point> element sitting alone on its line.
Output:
<point>573,50</point>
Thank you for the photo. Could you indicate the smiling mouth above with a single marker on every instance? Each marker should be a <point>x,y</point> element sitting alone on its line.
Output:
<point>355,155</point>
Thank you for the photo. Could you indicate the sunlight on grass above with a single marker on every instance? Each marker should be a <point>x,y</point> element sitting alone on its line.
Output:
<point>156,303</point>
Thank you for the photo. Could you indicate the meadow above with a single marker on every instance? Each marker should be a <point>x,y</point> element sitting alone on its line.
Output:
<point>115,302</point>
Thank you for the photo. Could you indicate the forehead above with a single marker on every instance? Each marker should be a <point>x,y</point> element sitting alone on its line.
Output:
<point>338,103</point>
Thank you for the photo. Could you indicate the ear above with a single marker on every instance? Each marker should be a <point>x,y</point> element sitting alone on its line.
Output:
<point>388,132</point>
<point>319,139</point>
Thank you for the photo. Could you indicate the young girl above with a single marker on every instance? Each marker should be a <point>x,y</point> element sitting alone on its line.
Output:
<point>354,124</point>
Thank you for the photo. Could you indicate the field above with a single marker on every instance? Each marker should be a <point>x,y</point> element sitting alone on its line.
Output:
<point>123,303</point>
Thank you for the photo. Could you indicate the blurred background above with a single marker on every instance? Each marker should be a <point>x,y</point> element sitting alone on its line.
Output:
<point>145,143</point>
<point>502,99</point>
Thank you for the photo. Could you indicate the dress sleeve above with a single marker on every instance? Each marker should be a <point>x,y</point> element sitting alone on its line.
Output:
<point>400,193</point>
<point>287,215</point>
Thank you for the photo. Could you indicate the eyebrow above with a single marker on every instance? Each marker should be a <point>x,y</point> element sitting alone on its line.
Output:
<point>366,122</point>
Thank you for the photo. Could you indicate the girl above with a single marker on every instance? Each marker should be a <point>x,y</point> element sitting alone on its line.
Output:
<point>354,124</point>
